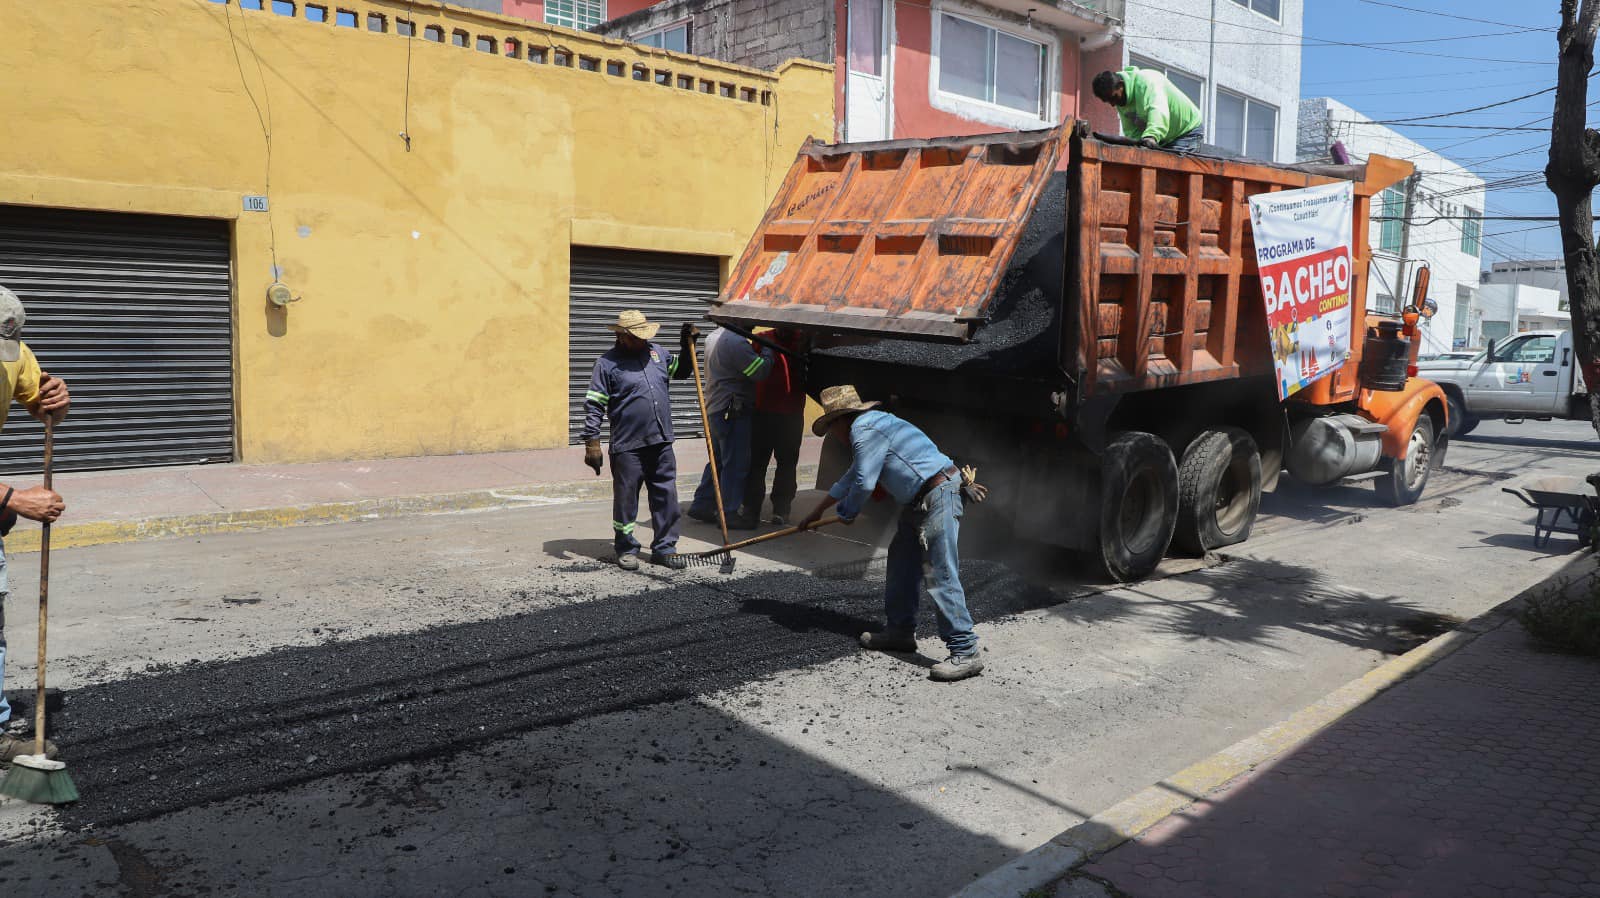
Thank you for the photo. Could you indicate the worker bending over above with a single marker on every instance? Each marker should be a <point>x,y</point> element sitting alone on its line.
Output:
<point>630,386</point>
<point>894,454</point>
<point>1153,110</point>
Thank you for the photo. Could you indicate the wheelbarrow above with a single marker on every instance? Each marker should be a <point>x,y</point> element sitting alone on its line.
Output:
<point>1562,505</point>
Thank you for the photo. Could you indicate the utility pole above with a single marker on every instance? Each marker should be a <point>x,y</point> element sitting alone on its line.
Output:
<point>1405,240</point>
<point>1210,99</point>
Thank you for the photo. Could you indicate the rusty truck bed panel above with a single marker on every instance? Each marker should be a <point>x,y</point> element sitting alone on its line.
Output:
<point>1164,280</point>
<point>896,237</point>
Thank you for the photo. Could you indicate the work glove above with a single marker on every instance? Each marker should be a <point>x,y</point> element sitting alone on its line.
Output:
<point>1148,143</point>
<point>592,456</point>
<point>686,335</point>
<point>971,490</point>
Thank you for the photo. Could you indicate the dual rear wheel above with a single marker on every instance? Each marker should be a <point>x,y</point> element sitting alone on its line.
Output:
<point>1150,501</point>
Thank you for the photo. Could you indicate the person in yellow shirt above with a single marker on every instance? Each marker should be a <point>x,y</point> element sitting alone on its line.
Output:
<point>45,397</point>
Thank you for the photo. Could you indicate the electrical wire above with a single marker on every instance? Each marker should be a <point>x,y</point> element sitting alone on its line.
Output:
<point>1447,15</point>
<point>411,39</point>
<point>264,120</point>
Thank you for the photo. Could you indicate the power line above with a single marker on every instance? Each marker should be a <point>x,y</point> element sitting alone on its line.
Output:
<point>1447,15</point>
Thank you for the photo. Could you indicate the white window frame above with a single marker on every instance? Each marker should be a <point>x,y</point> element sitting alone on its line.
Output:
<point>1145,62</point>
<point>1250,7</point>
<point>982,110</point>
<point>1277,122</point>
<point>574,23</point>
<point>685,24</point>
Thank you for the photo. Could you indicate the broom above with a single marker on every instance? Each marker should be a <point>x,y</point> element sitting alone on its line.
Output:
<point>722,558</point>
<point>36,778</point>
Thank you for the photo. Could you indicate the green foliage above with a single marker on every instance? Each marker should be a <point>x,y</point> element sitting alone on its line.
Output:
<point>1565,618</point>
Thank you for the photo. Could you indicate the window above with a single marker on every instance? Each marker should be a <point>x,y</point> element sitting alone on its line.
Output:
<point>1245,126</point>
<point>344,18</point>
<point>1463,314</point>
<point>316,13</point>
<point>1526,350</point>
<point>458,38</point>
<point>1496,330</point>
<point>1192,86</point>
<point>433,33</point>
<point>513,48</point>
<point>579,14</point>
<point>1393,211</point>
<point>673,37</point>
<point>983,63</point>
<point>1268,8</point>
<point>376,22</point>
<point>249,4</point>
<point>405,28</point>
<point>1472,233</point>
<point>283,7</point>
<point>485,45</point>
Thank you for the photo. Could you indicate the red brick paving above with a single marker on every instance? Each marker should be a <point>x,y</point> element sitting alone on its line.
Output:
<point>1480,776</point>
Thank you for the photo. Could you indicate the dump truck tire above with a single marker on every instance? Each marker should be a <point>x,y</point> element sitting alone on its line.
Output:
<point>1404,479</point>
<point>1138,505</point>
<point>1461,421</point>
<point>1219,490</point>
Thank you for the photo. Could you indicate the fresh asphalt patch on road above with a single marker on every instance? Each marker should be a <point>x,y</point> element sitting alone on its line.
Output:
<point>154,743</point>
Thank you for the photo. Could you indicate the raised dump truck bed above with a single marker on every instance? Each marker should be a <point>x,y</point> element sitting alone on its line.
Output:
<point>1043,301</point>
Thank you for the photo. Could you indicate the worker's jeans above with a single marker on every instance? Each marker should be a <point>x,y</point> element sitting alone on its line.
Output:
<point>775,436</point>
<point>5,707</point>
<point>924,549</point>
<point>730,436</point>
<point>656,469</point>
<point>1188,143</point>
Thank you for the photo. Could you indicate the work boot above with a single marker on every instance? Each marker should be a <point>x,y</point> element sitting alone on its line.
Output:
<point>11,746</point>
<point>668,560</point>
<point>780,517</point>
<point>704,517</point>
<point>628,562</point>
<point>957,667</point>
<point>889,641</point>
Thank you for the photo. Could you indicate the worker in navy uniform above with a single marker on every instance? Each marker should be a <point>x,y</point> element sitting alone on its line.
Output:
<point>629,387</point>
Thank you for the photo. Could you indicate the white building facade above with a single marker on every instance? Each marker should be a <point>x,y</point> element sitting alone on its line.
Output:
<point>1239,60</point>
<point>1551,274</point>
<point>1434,218</point>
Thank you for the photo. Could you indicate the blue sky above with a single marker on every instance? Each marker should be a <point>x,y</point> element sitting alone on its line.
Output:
<point>1439,73</point>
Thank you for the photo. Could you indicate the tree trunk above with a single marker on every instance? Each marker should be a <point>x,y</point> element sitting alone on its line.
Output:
<point>1572,174</point>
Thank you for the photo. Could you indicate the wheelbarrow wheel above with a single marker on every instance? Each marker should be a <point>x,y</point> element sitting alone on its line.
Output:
<point>1405,478</point>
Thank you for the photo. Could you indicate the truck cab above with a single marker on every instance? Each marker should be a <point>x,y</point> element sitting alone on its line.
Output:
<point>1533,374</point>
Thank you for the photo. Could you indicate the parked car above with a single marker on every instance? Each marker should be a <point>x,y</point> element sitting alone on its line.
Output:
<point>1528,375</point>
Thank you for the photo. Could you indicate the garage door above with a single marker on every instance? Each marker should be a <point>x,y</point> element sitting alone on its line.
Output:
<point>134,312</point>
<point>668,289</point>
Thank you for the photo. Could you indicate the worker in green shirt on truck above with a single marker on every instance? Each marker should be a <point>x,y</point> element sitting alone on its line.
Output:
<point>1153,110</point>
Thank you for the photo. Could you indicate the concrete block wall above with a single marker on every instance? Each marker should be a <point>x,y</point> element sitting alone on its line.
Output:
<point>757,33</point>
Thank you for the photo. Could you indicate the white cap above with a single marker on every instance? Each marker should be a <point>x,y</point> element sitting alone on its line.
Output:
<point>12,318</point>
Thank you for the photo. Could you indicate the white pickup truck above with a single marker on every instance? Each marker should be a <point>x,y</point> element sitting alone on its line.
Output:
<point>1528,375</point>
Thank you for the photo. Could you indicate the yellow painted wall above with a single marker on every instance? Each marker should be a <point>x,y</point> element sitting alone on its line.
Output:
<point>433,316</point>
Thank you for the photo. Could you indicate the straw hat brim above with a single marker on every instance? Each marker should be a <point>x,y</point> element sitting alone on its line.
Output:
<point>826,419</point>
<point>642,331</point>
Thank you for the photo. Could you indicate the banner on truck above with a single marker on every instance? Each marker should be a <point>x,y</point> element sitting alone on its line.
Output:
<point>1303,252</point>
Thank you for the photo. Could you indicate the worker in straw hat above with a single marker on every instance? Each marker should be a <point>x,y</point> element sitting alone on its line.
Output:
<point>893,454</point>
<point>630,388</point>
<point>43,396</point>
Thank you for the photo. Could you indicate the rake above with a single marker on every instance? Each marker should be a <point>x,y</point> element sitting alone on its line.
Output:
<point>722,559</point>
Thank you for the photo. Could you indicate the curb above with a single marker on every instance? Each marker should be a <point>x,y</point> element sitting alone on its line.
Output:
<point>1128,818</point>
<point>99,533</point>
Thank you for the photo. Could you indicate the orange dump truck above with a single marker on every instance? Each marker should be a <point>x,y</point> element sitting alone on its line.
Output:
<point>1083,321</point>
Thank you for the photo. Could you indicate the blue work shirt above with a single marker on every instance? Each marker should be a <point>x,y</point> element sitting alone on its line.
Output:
<point>631,389</point>
<point>887,452</point>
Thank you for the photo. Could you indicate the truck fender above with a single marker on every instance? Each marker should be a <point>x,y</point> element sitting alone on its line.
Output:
<point>1400,410</point>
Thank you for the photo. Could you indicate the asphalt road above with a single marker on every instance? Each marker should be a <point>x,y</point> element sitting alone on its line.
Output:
<point>477,704</point>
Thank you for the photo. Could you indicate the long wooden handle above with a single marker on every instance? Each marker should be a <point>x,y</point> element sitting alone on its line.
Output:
<point>788,531</point>
<point>711,451</point>
<point>44,588</point>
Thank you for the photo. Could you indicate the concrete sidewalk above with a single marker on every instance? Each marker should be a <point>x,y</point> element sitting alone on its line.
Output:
<point>1477,776</point>
<point>145,503</point>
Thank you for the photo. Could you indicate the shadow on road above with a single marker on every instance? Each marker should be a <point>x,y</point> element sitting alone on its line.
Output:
<point>1575,448</point>
<point>1247,600</point>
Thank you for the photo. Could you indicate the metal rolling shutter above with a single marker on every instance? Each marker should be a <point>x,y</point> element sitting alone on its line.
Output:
<point>668,289</point>
<point>135,313</point>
